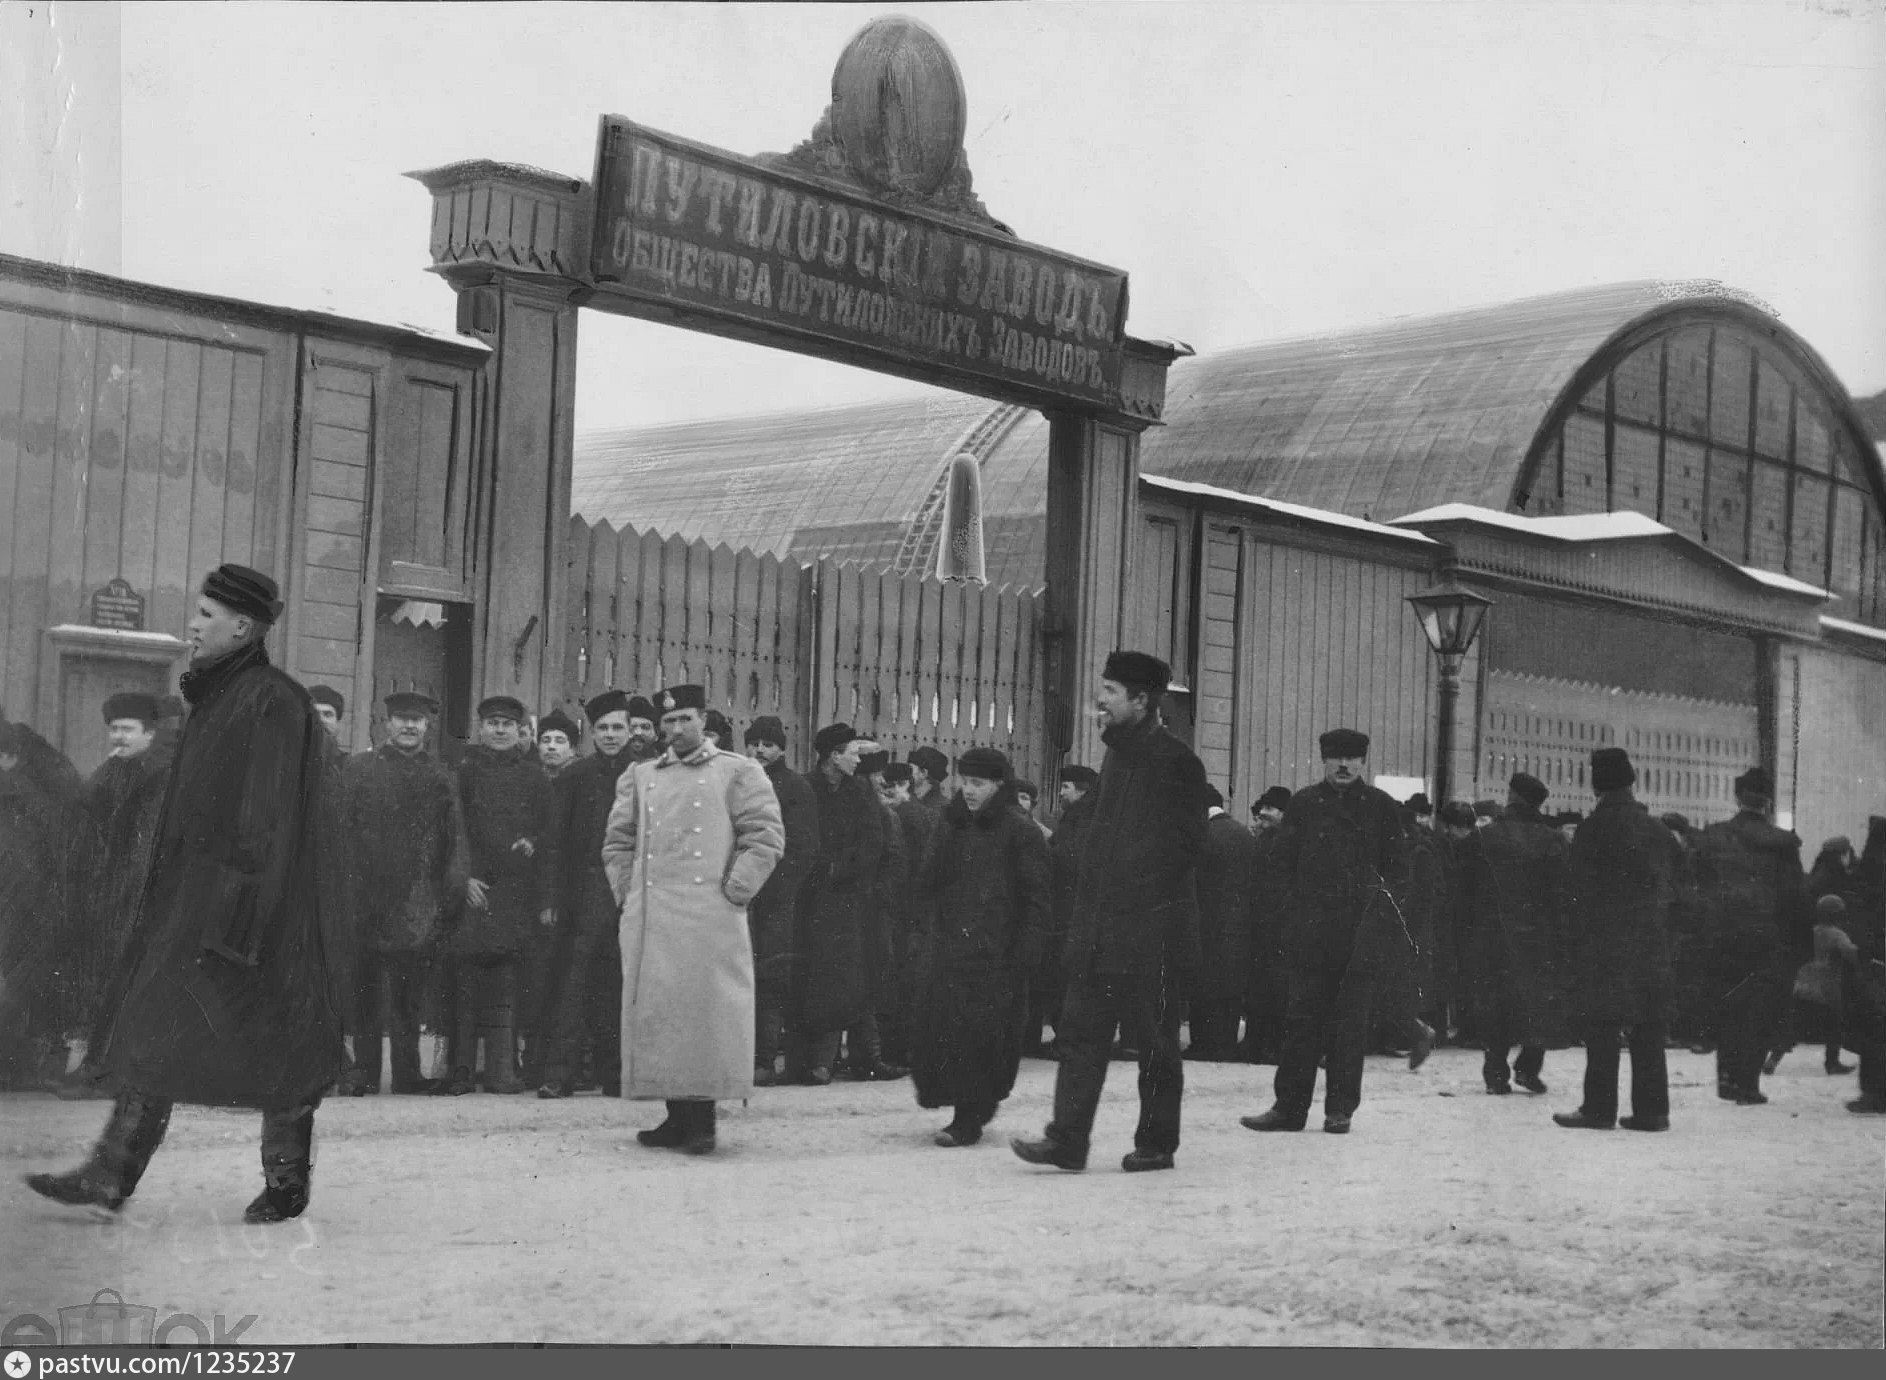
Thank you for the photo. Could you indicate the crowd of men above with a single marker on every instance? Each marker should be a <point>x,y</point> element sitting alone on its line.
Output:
<point>629,903</point>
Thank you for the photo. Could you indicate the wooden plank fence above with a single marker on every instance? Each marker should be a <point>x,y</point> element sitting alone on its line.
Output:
<point>907,660</point>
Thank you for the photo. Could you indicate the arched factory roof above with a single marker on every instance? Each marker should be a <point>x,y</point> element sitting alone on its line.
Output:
<point>1374,423</point>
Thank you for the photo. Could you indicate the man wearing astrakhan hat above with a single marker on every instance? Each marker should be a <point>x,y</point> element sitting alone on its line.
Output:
<point>1625,868</point>
<point>1342,863</point>
<point>226,995</point>
<point>404,844</point>
<point>586,979</point>
<point>691,839</point>
<point>1132,945</point>
<point>1754,899</point>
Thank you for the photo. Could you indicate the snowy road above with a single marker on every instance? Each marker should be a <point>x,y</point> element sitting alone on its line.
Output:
<point>1448,1218</point>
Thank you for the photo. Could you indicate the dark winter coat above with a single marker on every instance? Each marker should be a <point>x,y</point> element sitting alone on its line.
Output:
<point>405,841</point>
<point>1343,864</point>
<point>1430,914</point>
<point>582,797</point>
<point>1625,869</point>
<point>505,797</point>
<point>882,946</point>
<point>838,916</point>
<point>1136,900</point>
<point>1754,895</point>
<point>770,919</point>
<point>37,796</point>
<point>985,920</point>
<point>227,995</point>
<point>1514,943</point>
<point>1064,861</point>
<point>1226,882</point>
<point>114,828</point>
<point>917,827</point>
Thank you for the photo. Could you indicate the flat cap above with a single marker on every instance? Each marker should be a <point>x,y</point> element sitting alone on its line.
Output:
<point>411,702</point>
<point>329,696</point>
<point>1080,776</point>
<point>502,707</point>
<point>1343,742</point>
<point>245,591</point>
<point>930,762</point>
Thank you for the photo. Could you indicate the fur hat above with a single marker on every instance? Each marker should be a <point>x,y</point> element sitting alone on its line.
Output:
<point>1083,777</point>
<point>719,723</point>
<point>1343,742</point>
<point>984,763</point>
<point>766,729</point>
<point>873,762</point>
<point>1529,789</point>
<point>1611,769</point>
<point>329,696</point>
<point>831,738</point>
<point>1756,781</point>
<point>898,774</point>
<point>930,762</point>
<point>643,708</point>
<point>132,704</point>
<point>608,702</point>
<point>1276,798</point>
<point>556,721</point>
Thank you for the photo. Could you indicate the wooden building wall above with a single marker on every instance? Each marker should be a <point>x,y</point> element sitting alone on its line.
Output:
<point>1832,703</point>
<point>1280,631</point>
<point>149,435</point>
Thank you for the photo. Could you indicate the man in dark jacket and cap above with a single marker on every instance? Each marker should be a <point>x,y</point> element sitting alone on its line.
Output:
<point>1048,982</point>
<point>1227,875</point>
<point>226,996</point>
<point>1513,875</point>
<point>558,737</point>
<point>1342,866</point>
<point>1267,981</point>
<point>1132,949</point>
<point>405,847</point>
<point>586,972</point>
<point>770,917</point>
<point>1753,893</point>
<point>1625,867</point>
<point>932,769</point>
<point>837,912</point>
<point>512,859</point>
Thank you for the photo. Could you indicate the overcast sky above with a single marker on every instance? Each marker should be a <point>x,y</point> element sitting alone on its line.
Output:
<point>1259,170</point>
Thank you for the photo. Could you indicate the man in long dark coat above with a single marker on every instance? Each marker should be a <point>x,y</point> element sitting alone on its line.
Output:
<point>1048,983</point>
<point>1625,868</point>
<point>1226,875</point>
<point>863,1059</point>
<point>1267,980</point>
<point>510,827</point>
<point>1343,863</point>
<point>116,823</point>
<point>226,996</point>
<point>836,913</point>
<point>1514,875</point>
<point>587,972</point>
<point>1132,951</point>
<point>771,918</point>
<point>405,842</point>
<point>916,831</point>
<point>38,790</point>
<point>985,915</point>
<point>1753,893</point>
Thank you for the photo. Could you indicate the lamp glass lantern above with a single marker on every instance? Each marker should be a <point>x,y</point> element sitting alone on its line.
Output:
<point>1450,617</point>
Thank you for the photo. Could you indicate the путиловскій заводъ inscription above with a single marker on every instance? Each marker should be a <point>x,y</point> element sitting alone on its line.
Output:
<point>691,225</point>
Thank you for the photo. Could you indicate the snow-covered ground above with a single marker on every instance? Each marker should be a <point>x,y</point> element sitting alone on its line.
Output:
<point>1448,1218</point>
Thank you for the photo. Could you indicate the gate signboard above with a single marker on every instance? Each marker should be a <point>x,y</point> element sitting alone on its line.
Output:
<point>863,244</point>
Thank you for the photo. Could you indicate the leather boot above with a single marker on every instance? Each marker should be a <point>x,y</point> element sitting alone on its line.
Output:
<point>672,1131</point>
<point>699,1139</point>
<point>287,1166</point>
<point>117,1162</point>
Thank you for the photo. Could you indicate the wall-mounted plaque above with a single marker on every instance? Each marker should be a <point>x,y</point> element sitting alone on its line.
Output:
<point>118,606</point>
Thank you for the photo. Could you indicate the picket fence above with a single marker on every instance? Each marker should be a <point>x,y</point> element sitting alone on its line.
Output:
<point>905,659</point>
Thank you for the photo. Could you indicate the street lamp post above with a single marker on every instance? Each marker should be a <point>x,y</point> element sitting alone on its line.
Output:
<point>1450,616</point>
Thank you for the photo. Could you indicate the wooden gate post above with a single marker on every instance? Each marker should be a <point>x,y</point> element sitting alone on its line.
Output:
<point>1092,532</point>
<point>512,241</point>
